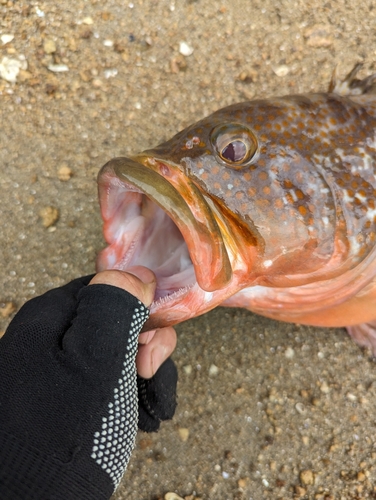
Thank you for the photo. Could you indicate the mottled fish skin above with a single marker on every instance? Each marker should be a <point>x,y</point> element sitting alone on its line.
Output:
<point>296,214</point>
<point>311,184</point>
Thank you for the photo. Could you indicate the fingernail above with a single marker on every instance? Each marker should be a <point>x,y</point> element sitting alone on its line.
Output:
<point>143,273</point>
<point>158,356</point>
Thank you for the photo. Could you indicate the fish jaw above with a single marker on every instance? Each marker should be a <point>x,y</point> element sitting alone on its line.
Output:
<point>173,230</point>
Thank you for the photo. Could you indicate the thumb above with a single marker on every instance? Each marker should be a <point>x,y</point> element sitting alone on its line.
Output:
<point>109,317</point>
<point>138,280</point>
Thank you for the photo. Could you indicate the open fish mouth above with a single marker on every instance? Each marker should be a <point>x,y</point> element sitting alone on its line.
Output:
<point>149,222</point>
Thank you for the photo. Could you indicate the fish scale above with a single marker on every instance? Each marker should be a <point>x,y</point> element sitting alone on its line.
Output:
<point>274,199</point>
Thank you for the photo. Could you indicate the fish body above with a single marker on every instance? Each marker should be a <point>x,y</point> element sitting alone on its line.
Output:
<point>267,204</point>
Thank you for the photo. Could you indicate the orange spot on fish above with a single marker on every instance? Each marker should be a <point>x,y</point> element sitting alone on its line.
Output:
<point>262,203</point>
<point>278,203</point>
<point>262,176</point>
<point>262,163</point>
<point>302,210</point>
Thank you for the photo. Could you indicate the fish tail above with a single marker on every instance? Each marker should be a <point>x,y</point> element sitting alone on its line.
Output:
<point>350,85</point>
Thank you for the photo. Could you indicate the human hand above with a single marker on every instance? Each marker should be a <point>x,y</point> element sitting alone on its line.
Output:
<point>68,399</point>
<point>155,346</point>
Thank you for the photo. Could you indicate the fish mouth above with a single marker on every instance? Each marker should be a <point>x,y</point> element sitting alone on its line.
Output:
<point>170,229</point>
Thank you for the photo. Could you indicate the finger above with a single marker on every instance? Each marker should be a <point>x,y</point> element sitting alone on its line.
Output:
<point>152,355</point>
<point>157,397</point>
<point>138,280</point>
<point>145,337</point>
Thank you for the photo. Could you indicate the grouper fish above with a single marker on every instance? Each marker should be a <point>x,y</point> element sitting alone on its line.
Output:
<point>268,204</point>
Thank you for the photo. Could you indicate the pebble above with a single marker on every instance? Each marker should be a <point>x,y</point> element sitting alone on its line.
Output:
<point>305,440</point>
<point>10,68</point>
<point>185,49</point>
<point>324,388</point>
<point>300,408</point>
<point>178,64</point>
<point>39,12</point>
<point>183,434</point>
<point>361,476</point>
<point>49,215</point>
<point>87,20</point>
<point>64,173</point>
<point>187,369</point>
<point>97,83</point>
<point>242,482</point>
<point>172,496</point>
<point>248,76</point>
<point>58,68</point>
<point>6,38</point>
<point>289,353</point>
<point>110,73</point>
<point>307,477</point>
<point>6,309</point>
<point>299,491</point>
<point>49,46</point>
<point>213,370</point>
<point>281,70</point>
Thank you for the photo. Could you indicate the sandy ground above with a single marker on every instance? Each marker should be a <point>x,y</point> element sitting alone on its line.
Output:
<point>266,410</point>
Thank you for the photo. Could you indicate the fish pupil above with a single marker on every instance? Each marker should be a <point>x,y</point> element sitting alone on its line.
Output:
<point>235,151</point>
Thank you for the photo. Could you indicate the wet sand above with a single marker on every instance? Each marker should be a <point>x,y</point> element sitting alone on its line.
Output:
<point>266,410</point>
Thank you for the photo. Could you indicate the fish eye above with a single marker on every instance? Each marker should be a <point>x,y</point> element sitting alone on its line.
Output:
<point>235,144</point>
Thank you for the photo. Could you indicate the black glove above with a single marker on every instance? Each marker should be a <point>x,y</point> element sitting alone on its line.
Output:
<point>68,393</point>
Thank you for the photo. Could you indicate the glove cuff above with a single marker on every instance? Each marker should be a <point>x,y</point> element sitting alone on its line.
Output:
<point>27,474</point>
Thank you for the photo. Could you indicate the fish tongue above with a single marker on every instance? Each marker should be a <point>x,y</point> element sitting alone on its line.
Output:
<point>203,237</point>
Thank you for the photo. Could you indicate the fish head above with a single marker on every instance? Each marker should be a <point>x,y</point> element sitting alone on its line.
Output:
<point>230,201</point>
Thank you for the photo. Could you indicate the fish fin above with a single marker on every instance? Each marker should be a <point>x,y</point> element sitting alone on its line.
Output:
<point>364,334</point>
<point>351,85</point>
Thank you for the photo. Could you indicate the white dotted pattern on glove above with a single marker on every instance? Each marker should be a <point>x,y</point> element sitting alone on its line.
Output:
<point>114,442</point>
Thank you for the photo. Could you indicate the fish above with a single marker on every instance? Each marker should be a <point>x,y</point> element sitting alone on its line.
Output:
<point>268,205</point>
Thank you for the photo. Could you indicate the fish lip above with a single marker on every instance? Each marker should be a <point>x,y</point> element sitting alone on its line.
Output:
<point>200,230</point>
